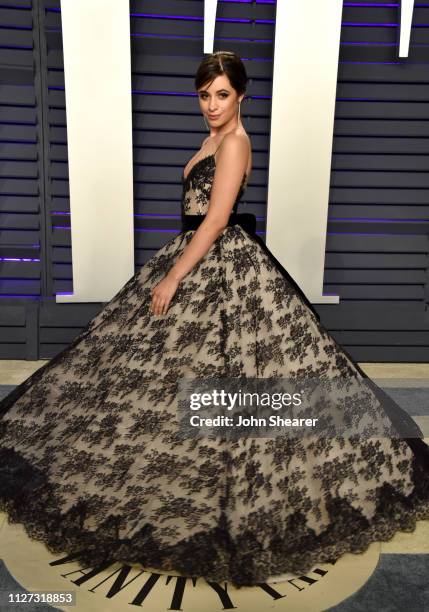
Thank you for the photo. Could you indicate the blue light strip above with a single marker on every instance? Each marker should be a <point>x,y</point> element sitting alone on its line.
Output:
<point>192,18</point>
<point>364,43</point>
<point>19,259</point>
<point>374,4</point>
<point>383,63</point>
<point>377,219</point>
<point>381,5</point>
<point>368,234</point>
<point>369,24</point>
<point>20,47</point>
<point>196,37</point>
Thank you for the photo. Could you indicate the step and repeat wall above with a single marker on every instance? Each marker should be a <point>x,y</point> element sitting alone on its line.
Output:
<point>376,256</point>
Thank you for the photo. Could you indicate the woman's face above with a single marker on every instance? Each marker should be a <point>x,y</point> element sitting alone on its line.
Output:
<point>219,101</point>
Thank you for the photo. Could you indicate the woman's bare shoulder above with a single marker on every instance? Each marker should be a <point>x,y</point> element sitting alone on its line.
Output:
<point>237,140</point>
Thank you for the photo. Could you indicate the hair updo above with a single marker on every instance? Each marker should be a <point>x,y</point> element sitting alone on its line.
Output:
<point>222,62</point>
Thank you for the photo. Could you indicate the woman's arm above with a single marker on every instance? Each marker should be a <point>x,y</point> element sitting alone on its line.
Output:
<point>230,167</point>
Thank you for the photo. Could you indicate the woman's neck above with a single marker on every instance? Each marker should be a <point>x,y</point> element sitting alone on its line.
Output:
<point>222,131</point>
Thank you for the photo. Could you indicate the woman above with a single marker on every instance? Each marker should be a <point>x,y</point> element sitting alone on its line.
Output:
<point>92,461</point>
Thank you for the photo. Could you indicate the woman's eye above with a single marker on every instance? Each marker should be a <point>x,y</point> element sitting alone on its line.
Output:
<point>223,95</point>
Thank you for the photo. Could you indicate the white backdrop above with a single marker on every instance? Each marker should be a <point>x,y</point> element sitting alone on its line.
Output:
<point>97,72</point>
<point>306,54</point>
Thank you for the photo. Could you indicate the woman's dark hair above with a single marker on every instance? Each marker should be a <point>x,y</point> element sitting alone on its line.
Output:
<point>222,62</point>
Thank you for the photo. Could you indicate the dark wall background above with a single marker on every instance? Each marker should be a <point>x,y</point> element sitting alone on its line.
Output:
<point>377,244</point>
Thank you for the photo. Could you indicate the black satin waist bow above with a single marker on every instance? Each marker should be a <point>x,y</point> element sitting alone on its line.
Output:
<point>246,220</point>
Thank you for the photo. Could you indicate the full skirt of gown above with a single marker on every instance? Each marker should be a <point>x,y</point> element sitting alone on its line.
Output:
<point>91,463</point>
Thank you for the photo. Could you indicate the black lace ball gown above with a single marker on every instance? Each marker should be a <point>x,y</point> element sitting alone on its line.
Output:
<point>91,465</point>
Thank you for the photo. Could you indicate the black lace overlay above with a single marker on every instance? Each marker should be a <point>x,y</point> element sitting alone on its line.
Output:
<point>92,464</point>
<point>197,187</point>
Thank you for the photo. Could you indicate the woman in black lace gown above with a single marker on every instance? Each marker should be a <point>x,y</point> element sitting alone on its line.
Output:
<point>90,459</point>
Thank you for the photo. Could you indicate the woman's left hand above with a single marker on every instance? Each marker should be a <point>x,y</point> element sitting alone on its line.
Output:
<point>162,294</point>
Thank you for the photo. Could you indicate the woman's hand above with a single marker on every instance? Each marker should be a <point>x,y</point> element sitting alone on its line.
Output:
<point>163,293</point>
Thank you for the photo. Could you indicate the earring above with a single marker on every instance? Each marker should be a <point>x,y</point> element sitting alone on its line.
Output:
<point>208,127</point>
<point>239,107</point>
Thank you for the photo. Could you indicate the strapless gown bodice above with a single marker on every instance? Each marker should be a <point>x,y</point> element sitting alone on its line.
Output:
<point>197,186</point>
